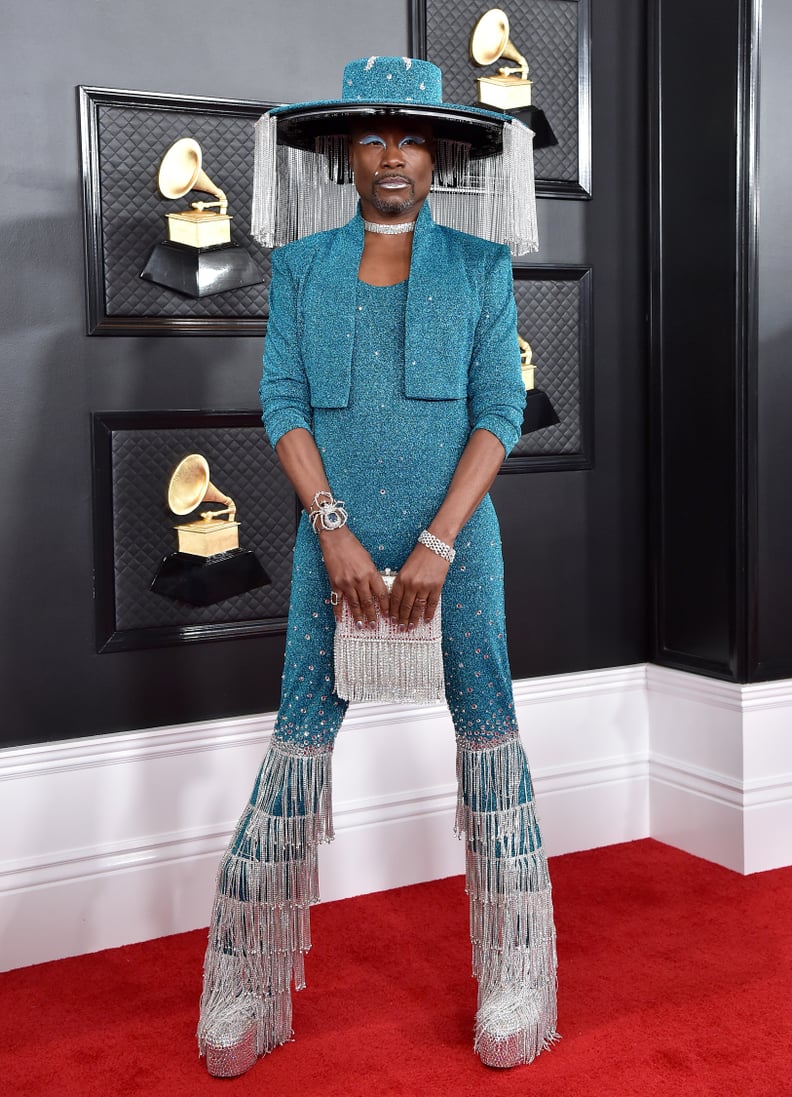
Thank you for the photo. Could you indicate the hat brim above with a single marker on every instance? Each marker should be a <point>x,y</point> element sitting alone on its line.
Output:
<point>300,125</point>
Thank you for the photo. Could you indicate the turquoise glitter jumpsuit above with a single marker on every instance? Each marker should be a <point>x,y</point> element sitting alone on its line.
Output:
<point>390,457</point>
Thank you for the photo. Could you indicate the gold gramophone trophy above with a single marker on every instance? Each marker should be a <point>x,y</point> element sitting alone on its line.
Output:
<point>539,412</point>
<point>209,565</point>
<point>199,257</point>
<point>527,364</point>
<point>510,88</point>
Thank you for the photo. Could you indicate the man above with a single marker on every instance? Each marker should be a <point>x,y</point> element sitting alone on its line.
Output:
<point>392,377</point>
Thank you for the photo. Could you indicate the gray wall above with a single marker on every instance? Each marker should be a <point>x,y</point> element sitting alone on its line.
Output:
<point>574,542</point>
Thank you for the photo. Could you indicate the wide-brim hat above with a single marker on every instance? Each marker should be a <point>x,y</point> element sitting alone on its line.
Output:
<point>374,87</point>
<point>483,184</point>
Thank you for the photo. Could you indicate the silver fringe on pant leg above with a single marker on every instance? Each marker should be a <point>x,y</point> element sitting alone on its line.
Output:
<point>260,928</point>
<point>511,911</point>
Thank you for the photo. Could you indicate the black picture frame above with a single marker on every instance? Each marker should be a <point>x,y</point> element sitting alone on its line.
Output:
<point>123,135</point>
<point>562,51</point>
<point>134,454</point>
<point>555,316</point>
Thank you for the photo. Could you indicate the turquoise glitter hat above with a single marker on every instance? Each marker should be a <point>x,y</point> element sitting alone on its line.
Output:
<point>483,182</point>
<point>376,86</point>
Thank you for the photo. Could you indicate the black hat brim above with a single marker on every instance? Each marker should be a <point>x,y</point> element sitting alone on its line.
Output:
<point>300,126</point>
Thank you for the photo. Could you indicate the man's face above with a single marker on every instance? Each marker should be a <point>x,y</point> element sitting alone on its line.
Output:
<point>392,160</point>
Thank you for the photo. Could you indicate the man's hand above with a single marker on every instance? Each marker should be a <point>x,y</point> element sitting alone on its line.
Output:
<point>353,577</point>
<point>416,592</point>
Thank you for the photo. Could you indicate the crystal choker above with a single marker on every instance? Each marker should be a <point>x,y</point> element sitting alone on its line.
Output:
<point>389,230</point>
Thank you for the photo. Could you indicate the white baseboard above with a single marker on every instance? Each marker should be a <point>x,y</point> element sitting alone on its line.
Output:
<point>721,768</point>
<point>116,838</point>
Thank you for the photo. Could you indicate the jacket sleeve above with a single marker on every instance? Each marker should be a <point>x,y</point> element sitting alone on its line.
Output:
<point>284,392</point>
<point>496,392</point>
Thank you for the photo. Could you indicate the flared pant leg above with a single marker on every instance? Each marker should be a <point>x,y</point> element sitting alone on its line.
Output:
<point>268,878</point>
<point>267,882</point>
<point>511,912</point>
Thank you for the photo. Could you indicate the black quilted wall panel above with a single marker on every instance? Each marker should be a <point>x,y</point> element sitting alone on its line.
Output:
<point>125,137</point>
<point>135,463</point>
<point>552,36</point>
<point>554,316</point>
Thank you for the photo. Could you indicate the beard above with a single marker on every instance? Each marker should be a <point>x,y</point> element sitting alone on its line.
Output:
<point>392,203</point>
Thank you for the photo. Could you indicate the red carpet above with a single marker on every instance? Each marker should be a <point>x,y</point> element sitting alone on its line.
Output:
<point>675,980</point>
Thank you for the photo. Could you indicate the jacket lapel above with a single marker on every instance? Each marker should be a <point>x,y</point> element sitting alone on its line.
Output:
<point>329,302</point>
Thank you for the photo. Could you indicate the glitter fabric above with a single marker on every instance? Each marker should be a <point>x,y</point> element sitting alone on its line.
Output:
<point>392,79</point>
<point>390,427</point>
<point>459,342</point>
<point>377,450</point>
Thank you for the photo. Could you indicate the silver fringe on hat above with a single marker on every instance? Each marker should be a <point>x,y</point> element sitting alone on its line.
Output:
<point>297,193</point>
<point>511,911</point>
<point>266,885</point>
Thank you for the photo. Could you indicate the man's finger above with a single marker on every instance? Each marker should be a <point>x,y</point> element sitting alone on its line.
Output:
<point>356,611</point>
<point>430,608</point>
<point>369,611</point>
<point>417,612</point>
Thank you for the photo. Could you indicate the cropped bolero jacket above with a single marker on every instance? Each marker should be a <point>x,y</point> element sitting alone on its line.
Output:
<point>460,330</point>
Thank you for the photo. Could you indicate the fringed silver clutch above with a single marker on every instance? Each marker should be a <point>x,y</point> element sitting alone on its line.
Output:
<point>384,664</point>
